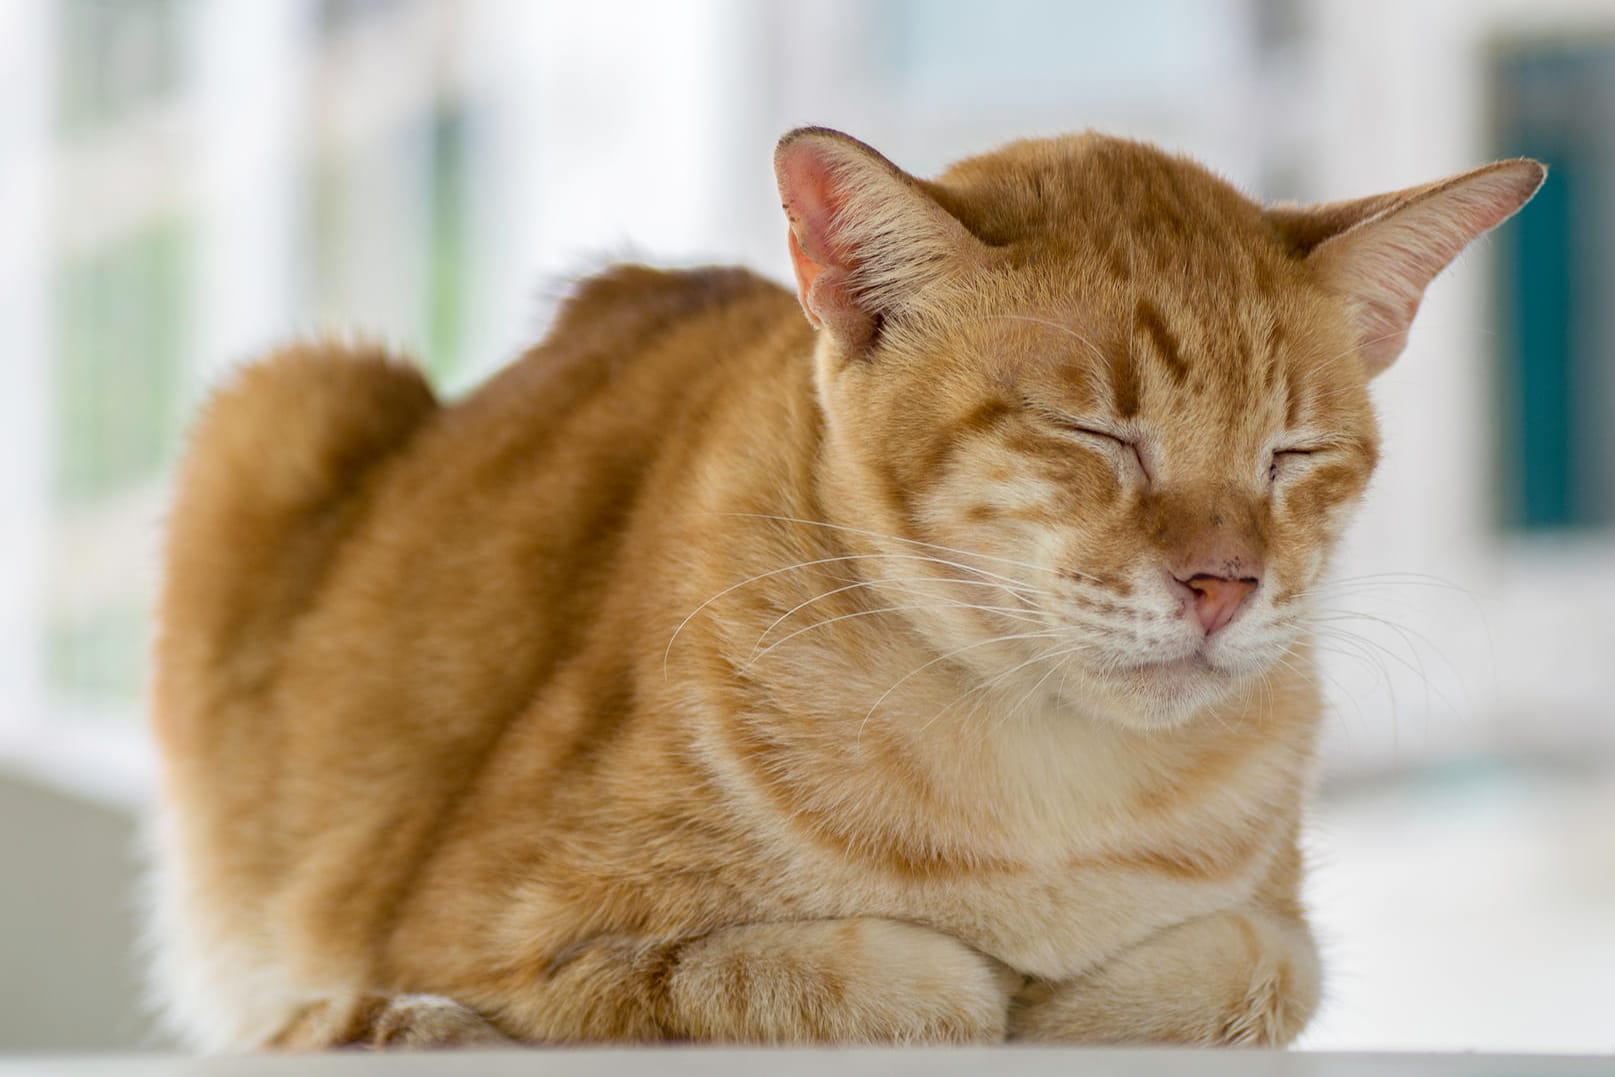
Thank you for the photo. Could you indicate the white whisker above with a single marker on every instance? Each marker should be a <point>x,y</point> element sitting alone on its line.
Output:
<point>1020,613</point>
<point>1066,329</point>
<point>899,538</point>
<point>840,558</point>
<point>916,671</point>
<point>758,656</point>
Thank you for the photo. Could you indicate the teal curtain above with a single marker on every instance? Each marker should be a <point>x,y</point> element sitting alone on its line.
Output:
<point>1555,101</point>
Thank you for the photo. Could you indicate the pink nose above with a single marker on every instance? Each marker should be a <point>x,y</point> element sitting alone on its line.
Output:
<point>1217,599</point>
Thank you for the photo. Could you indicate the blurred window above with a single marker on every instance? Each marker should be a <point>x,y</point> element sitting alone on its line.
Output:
<point>120,361</point>
<point>387,236</point>
<point>1555,100</point>
<point>448,261</point>
<point>120,358</point>
<point>336,17</point>
<point>383,173</point>
<point>119,375</point>
<point>117,56</point>
<point>956,52</point>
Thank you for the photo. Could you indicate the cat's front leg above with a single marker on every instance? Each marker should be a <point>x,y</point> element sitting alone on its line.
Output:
<point>378,1022</point>
<point>818,981</point>
<point>1248,977</point>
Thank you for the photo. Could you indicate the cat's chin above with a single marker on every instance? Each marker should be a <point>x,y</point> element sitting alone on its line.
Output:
<point>1166,695</point>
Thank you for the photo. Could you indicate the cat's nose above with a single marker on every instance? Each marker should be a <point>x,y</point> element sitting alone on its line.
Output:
<point>1217,599</point>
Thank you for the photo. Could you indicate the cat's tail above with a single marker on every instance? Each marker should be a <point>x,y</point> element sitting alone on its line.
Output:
<point>275,474</point>
<point>281,465</point>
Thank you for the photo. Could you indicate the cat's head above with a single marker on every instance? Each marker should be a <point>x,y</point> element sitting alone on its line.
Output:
<point>1127,403</point>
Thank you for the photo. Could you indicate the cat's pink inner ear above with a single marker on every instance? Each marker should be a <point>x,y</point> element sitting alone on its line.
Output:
<point>807,271</point>
<point>815,199</point>
<point>1383,265</point>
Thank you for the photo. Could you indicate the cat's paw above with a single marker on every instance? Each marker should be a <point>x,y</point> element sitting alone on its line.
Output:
<point>928,987</point>
<point>1233,979</point>
<point>842,981</point>
<point>380,1022</point>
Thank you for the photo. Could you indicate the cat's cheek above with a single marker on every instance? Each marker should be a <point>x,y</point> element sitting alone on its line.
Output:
<point>1094,489</point>
<point>1055,510</point>
<point>1100,539</point>
<point>1301,553</point>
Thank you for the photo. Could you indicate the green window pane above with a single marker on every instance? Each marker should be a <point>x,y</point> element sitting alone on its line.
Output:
<point>122,315</point>
<point>447,254</point>
<point>97,657</point>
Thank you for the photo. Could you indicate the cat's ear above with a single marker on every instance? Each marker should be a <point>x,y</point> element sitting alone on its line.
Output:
<point>866,239</point>
<point>1380,253</point>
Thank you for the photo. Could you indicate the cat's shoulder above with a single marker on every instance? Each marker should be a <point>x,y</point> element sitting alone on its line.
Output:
<point>636,300</point>
<point>665,324</point>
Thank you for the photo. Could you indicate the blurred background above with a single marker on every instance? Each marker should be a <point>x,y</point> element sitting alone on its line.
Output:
<point>185,182</point>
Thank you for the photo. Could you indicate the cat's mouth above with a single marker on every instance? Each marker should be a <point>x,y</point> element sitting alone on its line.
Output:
<point>1178,681</point>
<point>1192,665</point>
<point>1213,659</point>
<point>1168,690</point>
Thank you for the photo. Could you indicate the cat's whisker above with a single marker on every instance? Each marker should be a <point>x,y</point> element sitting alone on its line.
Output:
<point>1311,674</point>
<point>1416,665</point>
<point>1009,583</point>
<point>840,558</point>
<point>1265,679</point>
<point>1014,711</point>
<point>1379,589</point>
<point>1335,615</point>
<point>1068,648</point>
<point>1371,655</point>
<point>946,656</point>
<point>1065,671</point>
<point>1358,348</point>
<point>984,688</point>
<point>1377,585</point>
<point>1397,578</point>
<point>1020,613</point>
<point>1269,693</point>
<point>758,656</point>
<point>1405,632</point>
<point>1066,329</point>
<point>1367,661</point>
<point>899,538</point>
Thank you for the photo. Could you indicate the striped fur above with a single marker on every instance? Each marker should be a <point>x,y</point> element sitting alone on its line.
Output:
<point>706,677</point>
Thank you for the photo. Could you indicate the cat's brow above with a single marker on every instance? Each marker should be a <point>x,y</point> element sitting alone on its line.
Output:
<point>1164,342</point>
<point>1123,386</point>
<point>1066,329</point>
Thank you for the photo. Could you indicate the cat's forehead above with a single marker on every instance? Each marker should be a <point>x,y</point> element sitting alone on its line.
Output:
<point>1151,255</point>
<point>1148,216</point>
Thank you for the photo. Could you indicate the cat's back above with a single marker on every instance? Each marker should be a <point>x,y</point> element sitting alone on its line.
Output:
<point>526,492</point>
<point>364,587</point>
<point>627,328</point>
<point>445,580</point>
<point>495,535</point>
<point>327,478</point>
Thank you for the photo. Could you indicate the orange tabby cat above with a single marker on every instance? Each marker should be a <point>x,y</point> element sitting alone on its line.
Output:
<point>935,669</point>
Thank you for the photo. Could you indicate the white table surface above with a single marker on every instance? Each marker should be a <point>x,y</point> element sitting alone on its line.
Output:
<point>693,1062</point>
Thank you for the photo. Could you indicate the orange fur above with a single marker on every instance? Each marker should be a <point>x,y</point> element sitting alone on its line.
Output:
<point>710,676</point>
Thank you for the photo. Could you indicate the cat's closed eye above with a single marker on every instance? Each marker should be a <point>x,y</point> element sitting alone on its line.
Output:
<point>1285,461</point>
<point>1099,434</point>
